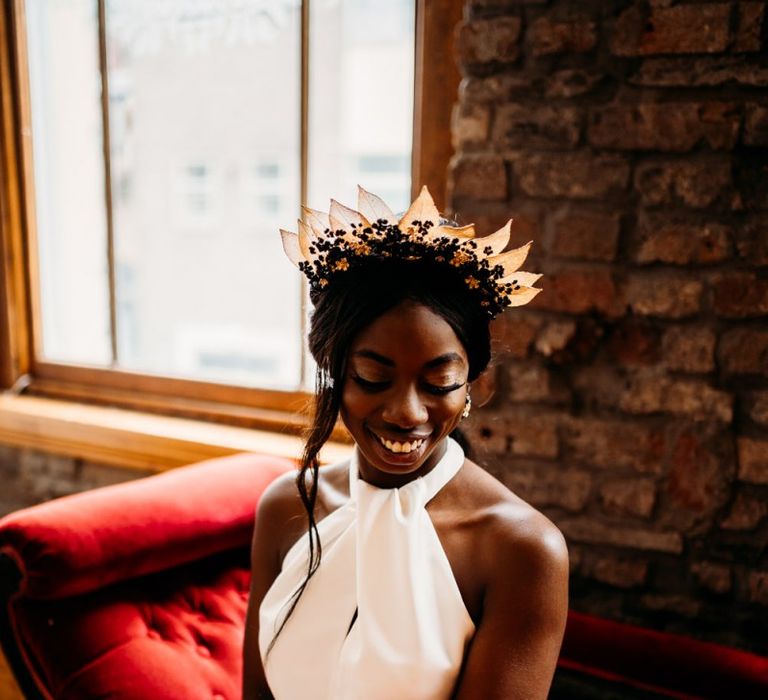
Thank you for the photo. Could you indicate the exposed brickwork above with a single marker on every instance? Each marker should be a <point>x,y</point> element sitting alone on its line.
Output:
<point>632,394</point>
<point>699,72</point>
<point>517,126</point>
<point>750,26</point>
<point>701,28</point>
<point>634,497</point>
<point>746,512</point>
<point>665,127</point>
<point>584,234</point>
<point>653,294</point>
<point>696,184</point>
<point>689,349</point>
<point>714,577</point>
<point>577,175</point>
<point>485,41</point>
<point>616,571</point>
<point>549,36</point>
<point>673,240</point>
<point>753,460</point>
<point>29,477</point>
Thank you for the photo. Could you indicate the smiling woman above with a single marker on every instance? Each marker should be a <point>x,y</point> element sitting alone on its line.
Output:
<point>406,571</point>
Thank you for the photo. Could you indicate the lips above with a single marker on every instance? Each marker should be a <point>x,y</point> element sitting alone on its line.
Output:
<point>405,448</point>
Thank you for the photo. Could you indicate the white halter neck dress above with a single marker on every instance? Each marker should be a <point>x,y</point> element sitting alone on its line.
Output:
<point>382,557</point>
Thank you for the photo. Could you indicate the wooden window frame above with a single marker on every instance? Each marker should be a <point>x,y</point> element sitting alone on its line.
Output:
<point>21,370</point>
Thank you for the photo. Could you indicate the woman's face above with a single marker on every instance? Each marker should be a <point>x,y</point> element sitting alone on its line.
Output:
<point>403,393</point>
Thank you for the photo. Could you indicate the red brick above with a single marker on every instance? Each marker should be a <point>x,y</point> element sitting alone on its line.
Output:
<point>470,125</point>
<point>489,41</point>
<point>654,393</point>
<point>660,238</point>
<point>478,176</point>
<point>699,72</point>
<point>689,349</point>
<point>653,294</point>
<point>701,28</point>
<point>665,126</point>
<point>634,497</point>
<point>513,335</point>
<point>698,184</point>
<point>598,533</point>
<point>578,175</point>
<point>617,571</point>
<point>531,434</point>
<point>550,36</point>
<point>554,337</point>
<point>487,433</point>
<point>503,4</point>
<point>580,291</point>
<point>489,217</point>
<point>740,295</point>
<point>753,460</point>
<point>584,234</point>
<point>755,125</point>
<point>752,241</point>
<point>495,88</point>
<point>523,126</point>
<point>746,513</point>
<point>615,445</point>
<point>564,488</point>
<point>758,409</point>
<point>634,342</point>
<point>751,174</point>
<point>750,26</point>
<point>714,577</point>
<point>698,482</point>
<point>744,351</point>
<point>672,603</point>
<point>531,382</point>
<point>758,587</point>
<point>571,82</point>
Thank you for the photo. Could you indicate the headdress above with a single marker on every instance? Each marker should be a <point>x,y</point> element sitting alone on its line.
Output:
<point>330,244</point>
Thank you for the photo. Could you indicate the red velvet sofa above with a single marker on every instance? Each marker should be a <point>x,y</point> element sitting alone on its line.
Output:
<point>138,591</point>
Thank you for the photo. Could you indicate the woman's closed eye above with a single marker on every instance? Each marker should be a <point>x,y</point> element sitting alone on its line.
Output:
<point>380,385</point>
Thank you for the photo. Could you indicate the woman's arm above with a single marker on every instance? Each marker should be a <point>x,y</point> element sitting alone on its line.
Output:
<point>265,566</point>
<point>514,652</point>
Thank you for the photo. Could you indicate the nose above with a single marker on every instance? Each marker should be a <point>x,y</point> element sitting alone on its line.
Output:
<point>405,409</point>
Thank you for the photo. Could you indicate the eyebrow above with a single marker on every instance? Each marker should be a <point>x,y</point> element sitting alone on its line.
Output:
<point>436,362</point>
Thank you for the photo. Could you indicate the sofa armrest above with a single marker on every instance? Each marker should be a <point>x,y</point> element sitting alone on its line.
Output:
<point>661,662</point>
<point>88,540</point>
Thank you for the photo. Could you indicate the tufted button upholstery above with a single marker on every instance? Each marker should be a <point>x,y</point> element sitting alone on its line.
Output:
<point>166,633</point>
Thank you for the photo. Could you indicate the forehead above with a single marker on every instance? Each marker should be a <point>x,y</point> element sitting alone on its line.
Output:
<point>409,333</point>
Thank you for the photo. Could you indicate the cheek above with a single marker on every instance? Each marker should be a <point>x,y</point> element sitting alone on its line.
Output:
<point>450,410</point>
<point>355,403</point>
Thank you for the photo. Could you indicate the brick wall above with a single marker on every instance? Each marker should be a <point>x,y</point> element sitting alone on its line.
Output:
<point>29,477</point>
<point>629,140</point>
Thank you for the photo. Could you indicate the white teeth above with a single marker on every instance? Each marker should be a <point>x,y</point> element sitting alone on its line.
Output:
<point>398,447</point>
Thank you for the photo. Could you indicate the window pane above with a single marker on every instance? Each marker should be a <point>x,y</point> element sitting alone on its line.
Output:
<point>361,100</point>
<point>71,222</point>
<point>204,128</point>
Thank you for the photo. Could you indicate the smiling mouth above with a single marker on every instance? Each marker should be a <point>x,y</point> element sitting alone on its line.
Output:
<point>400,447</point>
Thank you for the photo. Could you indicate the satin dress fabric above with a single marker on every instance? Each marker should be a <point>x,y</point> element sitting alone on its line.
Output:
<point>381,558</point>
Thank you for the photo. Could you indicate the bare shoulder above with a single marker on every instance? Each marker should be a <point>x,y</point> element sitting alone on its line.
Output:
<point>516,532</point>
<point>281,515</point>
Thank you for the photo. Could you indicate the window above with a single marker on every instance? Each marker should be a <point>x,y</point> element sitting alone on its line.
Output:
<point>153,274</point>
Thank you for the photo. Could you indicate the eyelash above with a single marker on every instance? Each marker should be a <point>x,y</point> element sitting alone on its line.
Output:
<point>380,386</point>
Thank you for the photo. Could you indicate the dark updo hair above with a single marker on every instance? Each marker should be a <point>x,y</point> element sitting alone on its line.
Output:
<point>351,302</point>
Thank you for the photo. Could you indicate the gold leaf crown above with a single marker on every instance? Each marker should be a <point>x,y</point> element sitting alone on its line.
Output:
<point>329,244</point>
